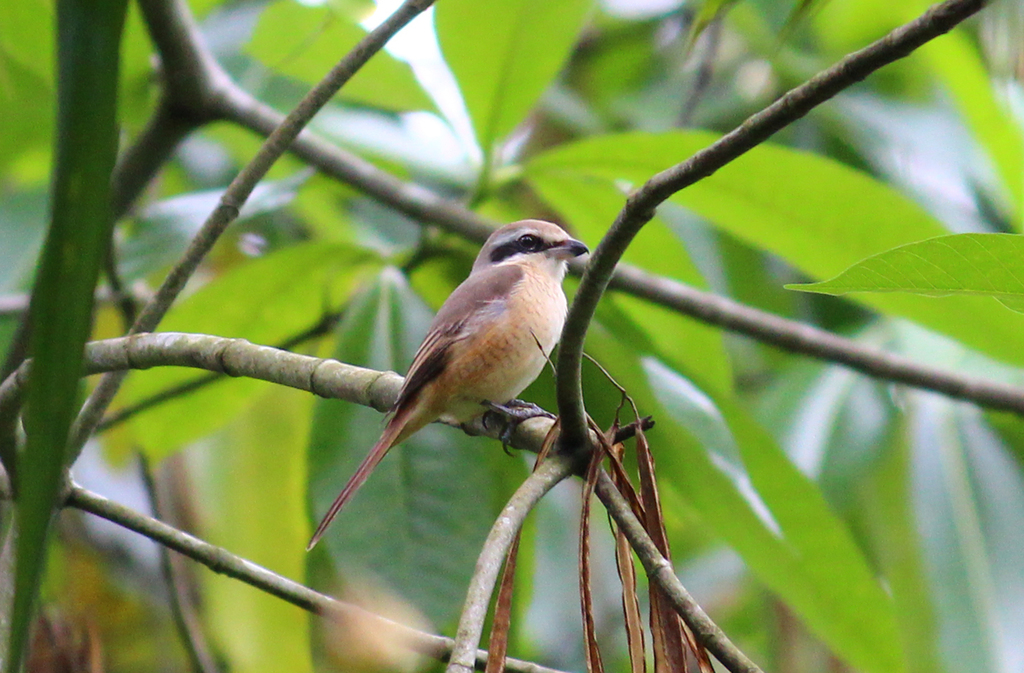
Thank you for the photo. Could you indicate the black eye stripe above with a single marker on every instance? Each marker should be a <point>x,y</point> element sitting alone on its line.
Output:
<point>527,243</point>
<point>504,251</point>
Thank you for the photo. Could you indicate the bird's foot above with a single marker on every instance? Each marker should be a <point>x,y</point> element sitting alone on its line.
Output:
<point>513,413</point>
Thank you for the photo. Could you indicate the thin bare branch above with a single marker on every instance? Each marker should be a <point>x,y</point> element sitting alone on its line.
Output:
<point>222,561</point>
<point>640,206</point>
<point>192,87</point>
<point>185,619</point>
<point>660,571</point>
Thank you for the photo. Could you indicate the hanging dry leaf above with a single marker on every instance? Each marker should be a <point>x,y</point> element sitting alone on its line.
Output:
<point>674,644</point>
<point>497,648</point>
<point>592,650</point>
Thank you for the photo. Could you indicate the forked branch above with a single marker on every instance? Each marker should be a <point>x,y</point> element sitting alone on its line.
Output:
<point>641,205</point>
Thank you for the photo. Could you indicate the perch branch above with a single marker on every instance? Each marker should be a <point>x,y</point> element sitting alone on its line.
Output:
<point>321,328</point>
<point>238,357</point>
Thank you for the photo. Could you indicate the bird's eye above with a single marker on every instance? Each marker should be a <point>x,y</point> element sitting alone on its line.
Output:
<point>530,243</point>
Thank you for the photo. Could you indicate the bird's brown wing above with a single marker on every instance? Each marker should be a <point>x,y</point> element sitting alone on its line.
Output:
<point>474,301</point>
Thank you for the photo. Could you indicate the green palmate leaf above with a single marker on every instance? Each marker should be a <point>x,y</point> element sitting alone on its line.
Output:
<point>265,301</point>
<point>842,429</point>
<point>22,229</point>
<point>305,42</point>
<point>709,10</point>
<point>88,39</point>
<point>505,54</point>
<point>990,265</point>
<point>817,214</point>
<point>21,24</point>
<point>253,500</point>
<point>832,422</point>
<point>745,489</point>
<point>435,495</point>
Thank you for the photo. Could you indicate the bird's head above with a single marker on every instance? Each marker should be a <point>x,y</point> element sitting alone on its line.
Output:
<point>530,240</point>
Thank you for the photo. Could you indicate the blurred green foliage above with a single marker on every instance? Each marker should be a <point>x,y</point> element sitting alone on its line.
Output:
<point>823,518</point>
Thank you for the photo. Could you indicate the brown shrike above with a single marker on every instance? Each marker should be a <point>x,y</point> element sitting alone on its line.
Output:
<point>489,341</point>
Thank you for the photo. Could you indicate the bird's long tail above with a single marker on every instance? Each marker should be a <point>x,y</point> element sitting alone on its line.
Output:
<point>397,429</point>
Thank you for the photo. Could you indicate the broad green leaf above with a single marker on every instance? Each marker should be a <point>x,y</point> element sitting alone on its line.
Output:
<point>138,76</point>
<point>26,76</point>
<point>253,483</point>
<point>265,301</point>
<point>990,265</point>
<point>832,422</point>
<point>164,229</point>
<point>589,206</point>
<point>504,55</point>
<point>955,64</point>
<point>817,214</point>
<point>707,12</point>
<point>745,490</point>
<point>960,68</point>
<point>22,228</point>
<point>840,428</point>
<point>88,41</point>
<point>21,25</point>
<point>435,495</point>
<point>897,545</point>
<point>202,8</point>
<point>968,500</point>
<point>305,42</point>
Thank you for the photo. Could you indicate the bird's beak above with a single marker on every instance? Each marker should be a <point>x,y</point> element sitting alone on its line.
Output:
<point>569,248</point>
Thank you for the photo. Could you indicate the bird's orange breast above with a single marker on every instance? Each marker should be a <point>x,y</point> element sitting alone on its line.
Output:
<point>505,354</point>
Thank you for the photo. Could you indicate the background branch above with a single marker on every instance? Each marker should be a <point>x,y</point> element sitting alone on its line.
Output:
<point>221,561</point>
<point>641,205</point>
<point>192,86</point>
